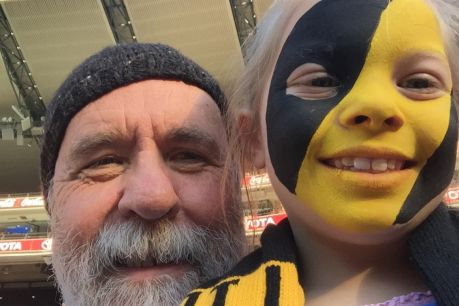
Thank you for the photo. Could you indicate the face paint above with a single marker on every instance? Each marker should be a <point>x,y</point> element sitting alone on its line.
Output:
<point>368,63</point>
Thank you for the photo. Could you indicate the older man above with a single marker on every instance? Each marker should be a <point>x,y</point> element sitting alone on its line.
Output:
<point>132,169</point>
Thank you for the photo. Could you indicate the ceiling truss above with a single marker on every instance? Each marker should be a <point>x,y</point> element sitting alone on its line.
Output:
<point>28,96</point>
<point>244,18</point>
<point>119,20</point>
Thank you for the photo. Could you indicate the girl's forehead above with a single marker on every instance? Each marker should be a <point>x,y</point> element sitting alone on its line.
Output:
<point>327,21</point>
<point>301,8</point>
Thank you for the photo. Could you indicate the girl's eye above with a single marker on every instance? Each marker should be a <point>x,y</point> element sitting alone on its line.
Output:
<point>416,84</point>
<point>312,82</point>
<point>421,86</point>
<point>325,81</point>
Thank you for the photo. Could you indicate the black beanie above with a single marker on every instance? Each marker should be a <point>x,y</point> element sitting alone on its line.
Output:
<point>105,71</point>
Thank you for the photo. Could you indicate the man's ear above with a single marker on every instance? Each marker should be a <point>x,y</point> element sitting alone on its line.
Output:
<point>251,136</point>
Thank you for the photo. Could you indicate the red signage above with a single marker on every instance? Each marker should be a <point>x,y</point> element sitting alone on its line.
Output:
<point>22,202</point>
<point>25,245</point>
<point>256,180</point>
<point>259,223</point>
<point>452,196</point>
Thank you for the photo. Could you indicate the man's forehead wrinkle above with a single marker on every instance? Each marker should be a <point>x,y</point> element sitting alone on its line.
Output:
<point>193,134</point>
<point>189,132</point>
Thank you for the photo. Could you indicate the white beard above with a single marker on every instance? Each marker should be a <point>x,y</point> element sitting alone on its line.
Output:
<point>88,274</point>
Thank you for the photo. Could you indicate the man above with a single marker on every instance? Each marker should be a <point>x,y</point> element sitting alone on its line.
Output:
<point>132,169</point>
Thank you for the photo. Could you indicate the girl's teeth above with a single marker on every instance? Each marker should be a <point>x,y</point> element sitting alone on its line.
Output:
<point>366,164</point>
<point>338,164</point>
<point>391,164</point>
<point>379,164</point>
<point>348,161</point>
<point>362,163</point>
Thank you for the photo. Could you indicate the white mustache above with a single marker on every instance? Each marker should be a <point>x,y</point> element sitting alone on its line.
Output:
<point>135,243</point>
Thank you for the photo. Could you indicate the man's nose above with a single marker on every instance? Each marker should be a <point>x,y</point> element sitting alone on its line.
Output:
<point>149,190</point>
<point>372,115</point>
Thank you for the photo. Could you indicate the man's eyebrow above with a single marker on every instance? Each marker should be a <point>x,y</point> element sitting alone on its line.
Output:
<point>88,144</point>
<point>193,135</point>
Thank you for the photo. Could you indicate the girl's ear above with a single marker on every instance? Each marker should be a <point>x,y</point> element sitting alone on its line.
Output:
<point>251,137</point>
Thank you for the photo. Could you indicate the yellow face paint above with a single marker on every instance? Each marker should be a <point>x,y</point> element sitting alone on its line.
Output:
<point>377,120</point>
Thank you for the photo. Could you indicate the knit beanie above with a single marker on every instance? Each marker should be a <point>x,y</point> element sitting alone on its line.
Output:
<point>109,69</point>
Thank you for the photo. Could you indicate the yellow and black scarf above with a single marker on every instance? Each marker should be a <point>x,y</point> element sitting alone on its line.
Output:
<point>269,275</point>
<point>266,277</point>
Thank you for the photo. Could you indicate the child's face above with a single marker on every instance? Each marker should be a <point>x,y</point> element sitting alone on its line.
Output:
<point>359,125</point>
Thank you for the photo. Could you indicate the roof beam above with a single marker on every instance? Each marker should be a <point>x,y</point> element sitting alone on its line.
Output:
<point>28,96</point>
<point>119,21</point>
<point>244,18</point>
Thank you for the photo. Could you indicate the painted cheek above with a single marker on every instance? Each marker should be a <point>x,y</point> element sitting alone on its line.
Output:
<point>433,121</point>
<point>438,171</point>
<point>430,136</point>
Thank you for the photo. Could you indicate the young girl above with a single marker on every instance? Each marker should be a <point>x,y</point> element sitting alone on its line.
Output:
<point>348,104</point>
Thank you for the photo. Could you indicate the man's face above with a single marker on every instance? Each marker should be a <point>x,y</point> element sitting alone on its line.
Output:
<point>360,128</point>
<point>137,211</point>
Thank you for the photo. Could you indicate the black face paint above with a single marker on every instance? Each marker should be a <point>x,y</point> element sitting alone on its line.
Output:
<point>337,35</point>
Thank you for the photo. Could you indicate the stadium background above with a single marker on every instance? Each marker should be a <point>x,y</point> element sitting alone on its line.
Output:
<point>41,41</point>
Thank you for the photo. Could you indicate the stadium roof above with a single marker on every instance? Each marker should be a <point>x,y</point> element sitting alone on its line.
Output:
<point>42,41</point>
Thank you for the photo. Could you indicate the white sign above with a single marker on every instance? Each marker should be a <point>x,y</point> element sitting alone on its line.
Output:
<point>46,244</point>
<point>453,194</point>
<point>257,180</point>
<point>259,223</point>
<point>10,246</point>
<point>27,202</point>
<point>7,203</point>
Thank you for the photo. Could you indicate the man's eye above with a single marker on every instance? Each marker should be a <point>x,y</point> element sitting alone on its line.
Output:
<point>421,86</point>
<point>312,82</point>
<point>103,169</point>
<point>105,161</point>
<point>187,161</point>
<point>187,157</point>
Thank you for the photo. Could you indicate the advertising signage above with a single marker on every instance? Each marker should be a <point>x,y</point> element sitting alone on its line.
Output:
<point>25,245</point>
<point>259,223</point>
<point>256,180</point>
<point>22,202</point>
<point>452,196</point>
